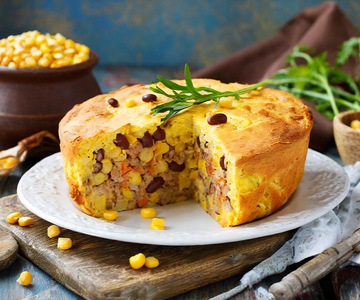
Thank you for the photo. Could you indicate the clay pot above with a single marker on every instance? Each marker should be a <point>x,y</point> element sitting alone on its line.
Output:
<point>32,100</point>
<point>347,139</point>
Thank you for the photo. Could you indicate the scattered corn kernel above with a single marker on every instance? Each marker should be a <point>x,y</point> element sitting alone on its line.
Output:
<point>106,166</point>
<point>355,124</point>
<point>110,215</point>
<point>148,213</point>
<point>146,154</point>
<point>25,221</point>
<point>64,243</point>
<point>33,46</point>
<point>130,103</point>
<point>53,231</point>
<point>157,224</point>
<point>13,218</point>
<point>25,278</point>
<point>114,152</point>
<point>137,261</point>
<point>134,177</point>
<point>151,262</point>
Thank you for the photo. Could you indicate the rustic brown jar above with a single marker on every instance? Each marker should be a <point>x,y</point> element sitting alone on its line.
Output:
<point>32,100</point>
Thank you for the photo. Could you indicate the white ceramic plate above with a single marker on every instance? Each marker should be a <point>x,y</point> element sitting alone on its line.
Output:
<point>44,191</point>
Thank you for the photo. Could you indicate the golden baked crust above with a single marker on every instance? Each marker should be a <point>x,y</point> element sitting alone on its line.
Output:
<point>264,144</point>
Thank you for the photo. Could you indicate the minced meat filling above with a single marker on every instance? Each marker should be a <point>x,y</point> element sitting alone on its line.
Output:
<point>156,173</point>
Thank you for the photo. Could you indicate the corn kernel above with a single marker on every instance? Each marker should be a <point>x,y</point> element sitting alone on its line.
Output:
<point>58,55</point>
<point>84,49</point>
<point>23,64</point>
<point>25,221</point>
<point>36,54</point>
<point>191,163</point>
<point>180,147</point>
<point>29,42</point>
<point>146,155</point>
<point>106,166</point>
<point>5,61</point>
<point>10,162</point>
<point>69,52</point>
<point>31,62</point>
<point>60,38</point>
<point>161,166</point>
<point>64,243</point>
<point>25,278</point>
<point>58,49</point>
<point>137,261</point>
<point>148,213</point>
<point>151,262</point>
<point>162,148</point>
<point>134,177</point>
<point>130,103</point>
<point>114,152</point>
<point>184,184</point>
<point>153,197</point>
<point>63,62</point>
<point>39,40</point>
<point>110,215</point>
<point>79,59</point>
<point>131,138</point>
<point>128,194</point>
<point>44,48</point>
<point>157,224</point>
<point>100,203</point>
<point>19,51</point>
<point>193,175</point>
<point>44,62</point>
<point>69,44</point>
<point>53,231</point>
<point>355,124</point>
<point>99,178</point>
<point>13,218</point>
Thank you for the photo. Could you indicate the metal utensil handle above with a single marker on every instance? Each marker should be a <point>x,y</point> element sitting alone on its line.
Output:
<point>318,267</point>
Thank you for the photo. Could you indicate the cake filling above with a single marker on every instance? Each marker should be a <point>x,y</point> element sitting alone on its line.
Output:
<point>157,167</point>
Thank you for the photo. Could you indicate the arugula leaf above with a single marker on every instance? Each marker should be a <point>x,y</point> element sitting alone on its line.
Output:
<point>190,96</point>
<point>318,82</point>
<point>348,48</point>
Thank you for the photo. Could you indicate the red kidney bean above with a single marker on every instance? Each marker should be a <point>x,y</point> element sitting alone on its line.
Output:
<point>97,167</point>
<point>113,102</point>
<point>173,166</point>
<point>121,141</point>
<point>149,98</point>
<point>217,119</point>
<point>222,163</point>
<point>147,140</point>
<point>159,134</point>
<point>155,184</point>
<point>99,155</point>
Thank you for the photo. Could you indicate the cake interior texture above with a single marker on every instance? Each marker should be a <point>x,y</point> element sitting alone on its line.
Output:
<point>121,158</point>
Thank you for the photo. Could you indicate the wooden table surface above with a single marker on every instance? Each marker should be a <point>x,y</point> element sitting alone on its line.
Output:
<point>340,284</point>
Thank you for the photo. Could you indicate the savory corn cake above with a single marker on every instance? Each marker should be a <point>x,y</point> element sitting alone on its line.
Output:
<point>241,161</point>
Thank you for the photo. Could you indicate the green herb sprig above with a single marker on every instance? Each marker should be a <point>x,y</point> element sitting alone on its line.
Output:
<point>318,82</point>
<point>186,96</point>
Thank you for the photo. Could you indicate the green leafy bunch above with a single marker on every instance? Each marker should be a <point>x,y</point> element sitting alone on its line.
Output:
<point>186,96</point>
<point>318,82</point>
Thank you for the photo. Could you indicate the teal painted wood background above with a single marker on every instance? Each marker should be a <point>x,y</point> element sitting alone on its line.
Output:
<point>146,33</point>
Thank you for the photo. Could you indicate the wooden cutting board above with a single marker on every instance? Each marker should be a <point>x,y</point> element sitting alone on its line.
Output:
<point>96,268</point>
